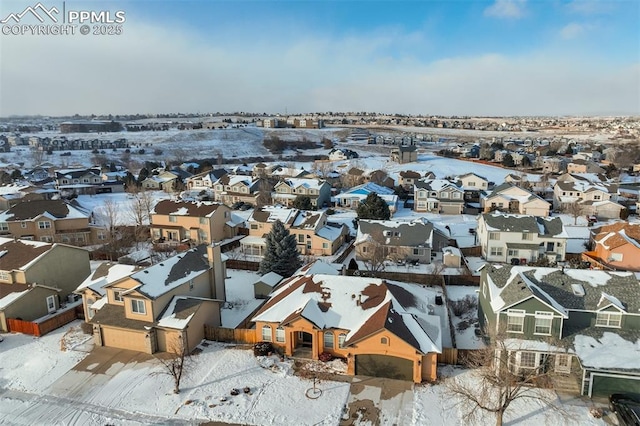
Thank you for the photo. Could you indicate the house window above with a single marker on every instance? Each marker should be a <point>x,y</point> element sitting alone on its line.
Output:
<point>325,245</point>
<point>496,251</point>
<point>596,197</point>
<point>512,252</point>
<point>301,238</point>
<point>190,285</point>
<point>543,323</point>
<point>46,239</point>
<point>254,226</point>
<point>342,337</point>
<point>384,341</point>
<point>280,334</point>
<point>444,195</point>
<point>4,275</point>
<point>494,235</point>
<point>51,304</point>
<point>527,236</point>
<point>266,333</point>
<point>616,257</point>
<point>472,184</point>
<point>117,296</point>
<point>23,224</point>
<point>455,195</point>
<point>328,340</point>
<point>527,360</point>
<point>515,320</point>
<point>202,235</point>
<point>608,319</point>
<point>137,307</point>
<point>418,252</point>
<point>173,219</point>
<point>202,220</point>
<point>4,226</point>
<point>101,236</point>
<point>484,290</point>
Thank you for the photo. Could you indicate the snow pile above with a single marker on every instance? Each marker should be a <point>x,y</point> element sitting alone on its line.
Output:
<point>275,364</point>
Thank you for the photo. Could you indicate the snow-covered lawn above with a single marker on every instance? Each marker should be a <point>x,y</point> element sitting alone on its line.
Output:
<point>240,297</point>
<point>433,405</point>
<point>465,325</point>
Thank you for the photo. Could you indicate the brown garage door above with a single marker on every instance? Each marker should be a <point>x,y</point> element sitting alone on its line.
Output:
<point>451,209</point>
<point>124,339</point>
<point>384,366</point>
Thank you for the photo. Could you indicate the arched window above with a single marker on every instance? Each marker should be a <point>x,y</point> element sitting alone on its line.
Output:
<point>341,339</point>
<point>266,333</point>
<point>280,334</point>
<point>328,340</point>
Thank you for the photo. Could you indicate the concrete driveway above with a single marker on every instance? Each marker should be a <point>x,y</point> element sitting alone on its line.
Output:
<point>379,401</point>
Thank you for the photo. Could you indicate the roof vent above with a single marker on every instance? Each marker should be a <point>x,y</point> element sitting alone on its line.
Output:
<point>145,271</point>
<point>578,290</point>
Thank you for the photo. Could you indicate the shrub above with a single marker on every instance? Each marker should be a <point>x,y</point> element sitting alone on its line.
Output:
<point>325,357</point>
<point>330,212</point>
<point>262,349</point>
<point>461,307</point>
<point>157,151</point>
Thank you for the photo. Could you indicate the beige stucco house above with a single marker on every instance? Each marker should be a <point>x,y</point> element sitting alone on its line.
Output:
<point>513,199</point>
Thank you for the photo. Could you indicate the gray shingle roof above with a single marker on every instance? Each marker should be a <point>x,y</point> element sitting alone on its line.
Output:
<point>547,227</point>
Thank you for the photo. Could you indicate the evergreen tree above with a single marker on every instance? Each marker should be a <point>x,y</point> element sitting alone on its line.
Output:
<point>302,202</point>
<point>507,161</point>
<point>282,255</point>
<point>373,207</point>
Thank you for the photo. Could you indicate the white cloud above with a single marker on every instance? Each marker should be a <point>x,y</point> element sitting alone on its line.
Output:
<point>506,9</point>
<point>589,7</point>
<point>151,69</point>
<point>574,30</point>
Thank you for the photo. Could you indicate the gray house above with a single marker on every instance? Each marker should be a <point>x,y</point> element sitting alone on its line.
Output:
<point>582,325</point>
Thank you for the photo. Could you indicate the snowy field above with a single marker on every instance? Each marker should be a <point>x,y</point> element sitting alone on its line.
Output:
<point>240,297</point>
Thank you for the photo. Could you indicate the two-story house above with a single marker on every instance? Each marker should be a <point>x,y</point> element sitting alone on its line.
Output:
<point>594,196</point>
<point>164,307</point>
<point>231,189</point>
<point>191,223</point>
<point>286,191</point>
<point>408,178</point>
<point>36,278</point>
<point>473,182</point>
<point>204,180</point>
<point>51,221</point>
<point>401,242</point>
<point>581,325</point>
<point>314,234</point>
<point>513,199</point>
<point>438,196</point>
<point>404,154</point>
<point>352,197</point>
<point>81,181</point>
<point>339,154</point>
<point>163,181</point>
<point>380,327</point>
<point>615,247</point>
<point>520,239</point>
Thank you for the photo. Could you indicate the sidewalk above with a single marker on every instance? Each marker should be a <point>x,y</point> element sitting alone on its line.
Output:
<point>376,401</point>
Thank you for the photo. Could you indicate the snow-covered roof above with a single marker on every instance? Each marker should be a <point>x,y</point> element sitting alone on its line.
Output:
<point>180,311</point>
<point>361,306</point>
<point>271,279</point>
<point>12,297</point>
<point>610,351</point>
<point>104,275</point>
<point>302,182</point>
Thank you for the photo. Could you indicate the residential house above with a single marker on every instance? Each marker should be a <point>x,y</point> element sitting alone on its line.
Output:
<point>352,197</point>
<point>381,328</point>
<point>314,234</point>
<point>51,221</point>
<point>553,165</point>
<point>584,166</point>
<point>353,177</point>
<point>616,246</point>
<point>401,242</point>
<point>37,278</point>
<point>594,196</point>
<point>513,199</point>
<point>404,154</point>
<point>438,196</point>
<point>164,307</point>
<point>191,223</point>
<point>232,189</point>
<point>338,154</point>
<point>379,177</point>
<point>79,181</point>
<point>408,178</point>
<point>164,181</point>
<point>520,239</point>
<point>580,325</point>
<point>287,190</point>
<point>93,289</point>
<point>473,182</point>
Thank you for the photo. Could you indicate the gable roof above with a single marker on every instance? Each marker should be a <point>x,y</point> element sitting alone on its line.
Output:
<point>543,226</point>
<point>106,274</point>
<point>362,306</point>
<point>20,254</point>
<point>186,208</point>
<point>52,209</point>
<point>180,311</point>
<point>417,233</point>
<point>618,234</point>
<point>173,272</point>
<point>302,182</point>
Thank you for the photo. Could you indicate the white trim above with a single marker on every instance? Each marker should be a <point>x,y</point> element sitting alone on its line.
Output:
<point>617,376</point>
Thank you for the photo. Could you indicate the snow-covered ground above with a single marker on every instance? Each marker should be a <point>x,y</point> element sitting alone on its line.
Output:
<point>465,325</point>
<point>240,297</point>
<point>38,386</point>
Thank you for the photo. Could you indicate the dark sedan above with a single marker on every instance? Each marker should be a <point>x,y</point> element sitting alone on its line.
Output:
<point>627,408</point>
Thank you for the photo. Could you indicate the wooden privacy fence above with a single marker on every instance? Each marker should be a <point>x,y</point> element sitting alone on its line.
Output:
<point>230,335</point>
<point>247,265</point>
<point>43,327</point>
<point>453,356</point>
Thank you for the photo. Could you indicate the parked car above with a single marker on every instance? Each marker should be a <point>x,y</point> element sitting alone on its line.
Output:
<point>627,408</point>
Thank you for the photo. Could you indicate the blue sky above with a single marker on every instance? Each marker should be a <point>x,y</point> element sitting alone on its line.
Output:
<point>504,57</point>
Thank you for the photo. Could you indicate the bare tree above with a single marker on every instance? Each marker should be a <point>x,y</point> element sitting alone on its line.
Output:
<point>574,209</point>
<point>175,361</point>
<point>264,193</point>
<point>139,209</point>
<point>373,253</point>
<point>37,155</point>
<point>497,381</point>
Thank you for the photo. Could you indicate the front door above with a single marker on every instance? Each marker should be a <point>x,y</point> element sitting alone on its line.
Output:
<point>563,363</point>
